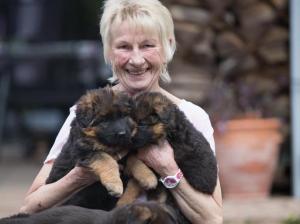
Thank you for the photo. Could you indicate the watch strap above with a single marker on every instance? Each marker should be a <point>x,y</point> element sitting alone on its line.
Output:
<point>172,181</point>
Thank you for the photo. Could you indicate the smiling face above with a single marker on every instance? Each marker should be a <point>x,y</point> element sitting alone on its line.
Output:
<point>137,58</point>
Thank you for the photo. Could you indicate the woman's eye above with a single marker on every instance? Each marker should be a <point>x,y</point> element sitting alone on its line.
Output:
<point>148,45</point>
<point>123,46</point>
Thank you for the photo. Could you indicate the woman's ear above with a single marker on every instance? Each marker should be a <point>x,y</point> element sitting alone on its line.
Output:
<point>108,56</point>
<point>109,59</point>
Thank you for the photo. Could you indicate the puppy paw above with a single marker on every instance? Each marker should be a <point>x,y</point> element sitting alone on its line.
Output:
<point>141,173</point>
<point>148,181</point>
<point>107,169</point>
<point>114,189</point>
<point>131,193</point>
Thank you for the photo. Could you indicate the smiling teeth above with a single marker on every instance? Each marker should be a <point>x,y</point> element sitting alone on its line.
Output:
<point>138,73</point>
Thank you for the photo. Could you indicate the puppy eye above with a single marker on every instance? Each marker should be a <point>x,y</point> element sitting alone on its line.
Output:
<point>151,120</point>
<point>144,123</point>
<point>92,123</point>
<point>154,119</point>
<point>103,124</point>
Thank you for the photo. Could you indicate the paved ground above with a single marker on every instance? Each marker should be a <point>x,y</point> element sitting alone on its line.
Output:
<point>268,211</point>
<point>16,177</point>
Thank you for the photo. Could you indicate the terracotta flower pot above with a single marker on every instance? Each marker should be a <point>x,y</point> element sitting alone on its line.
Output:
<point>247,152</point>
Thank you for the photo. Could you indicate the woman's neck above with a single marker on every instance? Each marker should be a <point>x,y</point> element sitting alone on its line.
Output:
<point>121,88</point>
<point>174,99</point>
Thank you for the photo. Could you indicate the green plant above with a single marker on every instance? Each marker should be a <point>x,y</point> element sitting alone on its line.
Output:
<point>261,93</point>
<point>292,220</point>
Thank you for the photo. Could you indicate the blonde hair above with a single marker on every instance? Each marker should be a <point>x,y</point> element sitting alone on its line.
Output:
<point>148,14</point>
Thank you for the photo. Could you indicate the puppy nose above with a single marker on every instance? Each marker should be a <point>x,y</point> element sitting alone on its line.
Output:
<point>121,133</point>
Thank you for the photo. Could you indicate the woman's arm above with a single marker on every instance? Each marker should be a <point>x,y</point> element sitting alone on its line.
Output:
<point>199,207</point>
<point>41,196</point>
<point>196,206</point>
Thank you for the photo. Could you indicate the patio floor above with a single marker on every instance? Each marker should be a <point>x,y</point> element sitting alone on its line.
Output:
<point>16,177</point>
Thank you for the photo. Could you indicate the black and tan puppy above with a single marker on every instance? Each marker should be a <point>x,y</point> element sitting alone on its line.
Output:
<point>137,213</point>
<point>103,127</point>
<point>158,118</point>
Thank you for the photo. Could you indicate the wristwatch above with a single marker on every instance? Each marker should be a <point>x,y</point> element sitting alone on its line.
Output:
<point>172,181</point>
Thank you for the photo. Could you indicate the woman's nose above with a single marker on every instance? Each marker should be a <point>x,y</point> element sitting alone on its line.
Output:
<point>137,58</point>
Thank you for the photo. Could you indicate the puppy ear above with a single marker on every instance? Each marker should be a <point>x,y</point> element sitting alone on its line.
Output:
<point>89,132</point>
<point>142,213</point>
<point>94,103</point>
<point>163,106</point>
<point>84,109</point>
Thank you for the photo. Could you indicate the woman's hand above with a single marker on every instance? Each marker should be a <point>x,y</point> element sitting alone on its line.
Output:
<point>160,158</point>
<point>41,196</point>
<point>82,176</point>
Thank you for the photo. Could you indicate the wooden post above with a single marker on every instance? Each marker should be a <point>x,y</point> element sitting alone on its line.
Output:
<point>295,91</point>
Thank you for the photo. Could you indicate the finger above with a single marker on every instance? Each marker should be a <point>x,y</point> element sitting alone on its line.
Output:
<point>140,154</point>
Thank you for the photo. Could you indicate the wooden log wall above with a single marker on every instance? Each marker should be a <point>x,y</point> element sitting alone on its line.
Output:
<point>232,52</point>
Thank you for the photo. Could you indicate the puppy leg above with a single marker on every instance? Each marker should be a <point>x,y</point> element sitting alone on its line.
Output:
<point>142,173</point>
<point>108,171</point>
<point>131,193</point>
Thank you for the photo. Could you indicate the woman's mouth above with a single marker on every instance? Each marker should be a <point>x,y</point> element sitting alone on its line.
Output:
<point>137,72</point>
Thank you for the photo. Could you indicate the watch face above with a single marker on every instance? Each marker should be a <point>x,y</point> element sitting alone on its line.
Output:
<point>170,181</point>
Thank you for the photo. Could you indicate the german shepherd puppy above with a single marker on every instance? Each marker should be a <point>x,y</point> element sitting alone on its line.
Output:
<point>102,128</point>
<point>137,213</point>
<point>157,118</point>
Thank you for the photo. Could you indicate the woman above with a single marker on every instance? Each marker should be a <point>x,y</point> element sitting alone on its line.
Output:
<point>138,42</point>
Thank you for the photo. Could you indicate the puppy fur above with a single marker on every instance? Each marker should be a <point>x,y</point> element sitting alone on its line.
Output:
<point>148,119</point>
<point>137,213</point>
<point>102,128</point>
<point>157,118</point>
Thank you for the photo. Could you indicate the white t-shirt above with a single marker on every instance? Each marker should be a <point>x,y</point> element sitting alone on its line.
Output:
<point>195,114</point>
